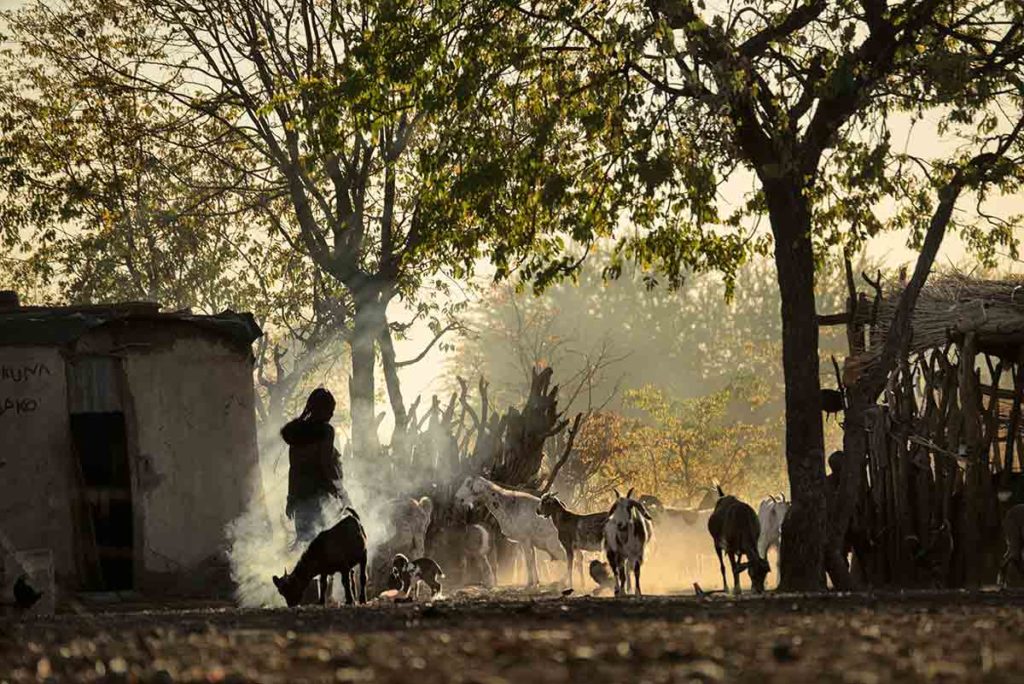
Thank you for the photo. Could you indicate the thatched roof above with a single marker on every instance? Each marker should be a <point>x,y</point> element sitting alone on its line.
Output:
<point>949,306</point>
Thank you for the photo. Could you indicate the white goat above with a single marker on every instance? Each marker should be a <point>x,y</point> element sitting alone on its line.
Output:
<point>626,535</point>
<point>771,514</point>
<point>516,513</point>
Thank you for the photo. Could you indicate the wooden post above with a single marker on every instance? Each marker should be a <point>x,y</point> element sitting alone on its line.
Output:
<point>1014,427</point>
<point>972,440</point>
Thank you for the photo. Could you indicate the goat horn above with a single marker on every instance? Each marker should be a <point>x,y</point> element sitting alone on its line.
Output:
<point>617,495</point>
<point>782,497</point>
<point>629,494</point>
<point>772,497</point>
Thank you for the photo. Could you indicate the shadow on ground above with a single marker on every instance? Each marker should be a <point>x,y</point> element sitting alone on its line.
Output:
<point>510,637</point>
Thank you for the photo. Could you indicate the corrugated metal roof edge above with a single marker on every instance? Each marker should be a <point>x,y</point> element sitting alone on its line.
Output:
<point>41,326</point>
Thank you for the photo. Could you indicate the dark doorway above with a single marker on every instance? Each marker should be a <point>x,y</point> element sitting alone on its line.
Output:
<point>106,479</point>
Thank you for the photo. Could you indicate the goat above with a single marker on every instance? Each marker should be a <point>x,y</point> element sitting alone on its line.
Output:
<point>626,534</point>
<point>734,529</point>
<point>516,513</point>
<point>405,574</point>
<point>466,550</point>
<point>678,528</point>
<point>576,532</point>
<point>410,519</point>
<point>338,549</point>
<point>1013,530</point>
<point>771,514</point>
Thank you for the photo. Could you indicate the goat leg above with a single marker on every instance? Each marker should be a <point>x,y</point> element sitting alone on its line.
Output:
<point>721,565</point>
<point>362,582</point>
<point>570,556</point>
<point>636,571</point>
<point>1003,566</point>
<point>532,576</point>
<point>322,585</point>
<point>733,564</point>
<point>346,583</point>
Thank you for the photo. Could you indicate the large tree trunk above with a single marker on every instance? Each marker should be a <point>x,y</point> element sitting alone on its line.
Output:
<point>803,535</point>
<point>369,317</point>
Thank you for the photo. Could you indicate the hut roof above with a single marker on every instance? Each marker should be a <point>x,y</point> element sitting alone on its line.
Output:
<point>58,326</point>
<point>950,305</point>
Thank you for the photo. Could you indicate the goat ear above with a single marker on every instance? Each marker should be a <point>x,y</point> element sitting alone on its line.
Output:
<point>277,581</point>
<point>629,494</point>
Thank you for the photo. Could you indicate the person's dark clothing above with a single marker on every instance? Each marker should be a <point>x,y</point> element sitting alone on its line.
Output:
<point>308,516</point>
<point>314,465</point>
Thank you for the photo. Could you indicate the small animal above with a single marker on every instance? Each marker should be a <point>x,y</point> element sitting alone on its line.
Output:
<point>832,402</point>
<point>735,529</point>
<point>626,534</point>
<point>24,595</point>
<point>1013,530</point>
<point>341,548</point>
<point>406,574</point>
<point>409,520</point>
<point>602,576</point>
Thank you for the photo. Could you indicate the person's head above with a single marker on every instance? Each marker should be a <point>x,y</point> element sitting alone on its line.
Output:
<point>320,405</point>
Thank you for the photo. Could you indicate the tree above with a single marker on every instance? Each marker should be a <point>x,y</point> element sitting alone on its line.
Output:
<point>387,129</point>
<point>803,99</point>
<point>615,342</point>
<point>106,200</point>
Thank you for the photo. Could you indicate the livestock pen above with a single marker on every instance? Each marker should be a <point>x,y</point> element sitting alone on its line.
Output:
<point>943,443</point>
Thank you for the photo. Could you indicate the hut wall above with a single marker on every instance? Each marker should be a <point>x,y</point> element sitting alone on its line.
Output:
<point>192,405</point>
<point>35,448</point>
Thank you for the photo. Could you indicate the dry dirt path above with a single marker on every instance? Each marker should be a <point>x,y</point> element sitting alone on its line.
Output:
<point>508,638</point>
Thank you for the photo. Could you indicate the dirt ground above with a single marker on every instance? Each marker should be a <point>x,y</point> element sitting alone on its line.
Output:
<point>509,637</point>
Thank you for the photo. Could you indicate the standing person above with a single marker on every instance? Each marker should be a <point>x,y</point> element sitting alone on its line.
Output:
<point>314,465</point>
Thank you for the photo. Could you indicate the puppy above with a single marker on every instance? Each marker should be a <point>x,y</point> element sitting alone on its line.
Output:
<point>406,574</point>
<point>602,576</point>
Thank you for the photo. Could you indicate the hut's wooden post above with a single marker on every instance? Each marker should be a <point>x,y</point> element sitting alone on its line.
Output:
<point>972,440</point>
<point>878,437</point>
<point>901,467</point>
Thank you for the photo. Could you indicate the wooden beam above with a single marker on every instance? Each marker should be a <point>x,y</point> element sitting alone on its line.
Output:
<point>841,318</point>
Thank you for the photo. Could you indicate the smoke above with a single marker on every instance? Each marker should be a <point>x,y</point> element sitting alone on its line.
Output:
<point>262,540</point>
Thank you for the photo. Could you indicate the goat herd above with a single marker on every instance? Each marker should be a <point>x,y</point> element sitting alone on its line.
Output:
<point>624,534</point>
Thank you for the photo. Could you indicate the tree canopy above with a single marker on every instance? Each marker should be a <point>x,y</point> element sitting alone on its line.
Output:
<point>802,99</point>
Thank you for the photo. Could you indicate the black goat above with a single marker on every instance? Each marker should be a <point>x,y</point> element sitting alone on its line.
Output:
<point>734,529</point>
<point>338,549</point>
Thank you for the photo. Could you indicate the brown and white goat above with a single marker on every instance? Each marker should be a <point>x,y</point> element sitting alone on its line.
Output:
<point>735,529</point>
<point>338,549</point>
<point>626,534</point>
<point>577,532</point>
<point>1013,531</point>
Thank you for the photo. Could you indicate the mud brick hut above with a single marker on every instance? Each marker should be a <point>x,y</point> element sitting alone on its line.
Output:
<point>944,441</point>
<point>127,441</point>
